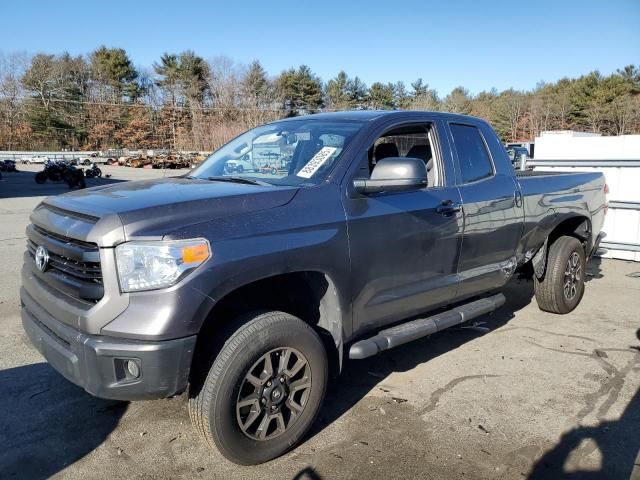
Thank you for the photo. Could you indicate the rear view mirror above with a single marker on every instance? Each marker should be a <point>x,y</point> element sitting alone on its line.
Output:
<point>291,138</point>
<point>394,174</point>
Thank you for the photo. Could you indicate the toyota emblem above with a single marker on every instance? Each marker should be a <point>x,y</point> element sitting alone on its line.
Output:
<point>42,258</point>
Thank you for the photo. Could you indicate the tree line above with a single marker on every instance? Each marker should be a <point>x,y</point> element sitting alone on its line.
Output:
<point>184,102</point>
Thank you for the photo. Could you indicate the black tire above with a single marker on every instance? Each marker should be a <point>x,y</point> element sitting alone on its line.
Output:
<point>41,177</point>
<point>87,162</point>
<point>214,401</point>
<point>98,173</point>
<point>562,287</point>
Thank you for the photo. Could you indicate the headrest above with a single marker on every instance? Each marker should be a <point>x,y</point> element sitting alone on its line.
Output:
<point>384,150</point>
<point>422,152</point>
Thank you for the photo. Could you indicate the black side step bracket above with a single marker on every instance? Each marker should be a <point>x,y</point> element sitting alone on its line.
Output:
<point>407,332</point>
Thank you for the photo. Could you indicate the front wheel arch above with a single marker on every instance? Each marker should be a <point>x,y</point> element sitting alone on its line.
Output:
<point>309,295</point>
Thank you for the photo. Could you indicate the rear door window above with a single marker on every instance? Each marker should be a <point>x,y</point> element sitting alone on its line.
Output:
<point>473,157</point>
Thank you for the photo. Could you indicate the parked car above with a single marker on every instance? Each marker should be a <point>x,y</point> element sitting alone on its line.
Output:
<point>238,166</point>
<point>251,291</point>
<point>35,159</point>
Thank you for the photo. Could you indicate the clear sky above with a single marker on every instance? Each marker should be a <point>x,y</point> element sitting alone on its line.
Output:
<point>477,44</point>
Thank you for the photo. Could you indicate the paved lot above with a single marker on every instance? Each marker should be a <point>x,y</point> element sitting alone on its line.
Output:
<point>537,395</point>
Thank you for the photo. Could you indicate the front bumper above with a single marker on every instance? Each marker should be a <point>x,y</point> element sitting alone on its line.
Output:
<point>96,362</point>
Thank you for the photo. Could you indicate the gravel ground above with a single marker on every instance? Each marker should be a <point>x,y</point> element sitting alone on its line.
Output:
<point>532,395</point>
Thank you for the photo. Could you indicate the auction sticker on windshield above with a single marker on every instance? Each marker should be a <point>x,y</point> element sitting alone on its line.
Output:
<point>316,162</point>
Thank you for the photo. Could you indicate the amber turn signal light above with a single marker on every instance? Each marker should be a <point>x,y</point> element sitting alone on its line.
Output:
<point>195,253</point>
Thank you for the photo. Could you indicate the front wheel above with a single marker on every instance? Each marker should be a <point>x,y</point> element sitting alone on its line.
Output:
<point>41,177</point>
<point>263,390</point>
<point>562,287</point>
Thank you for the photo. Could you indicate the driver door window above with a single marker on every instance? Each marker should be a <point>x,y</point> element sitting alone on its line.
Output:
<point>415,141</point>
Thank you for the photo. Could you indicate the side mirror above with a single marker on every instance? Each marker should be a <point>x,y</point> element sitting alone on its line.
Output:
<point>394,174</point>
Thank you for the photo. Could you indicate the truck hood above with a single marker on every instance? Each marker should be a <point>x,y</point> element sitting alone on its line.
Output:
<point>153,208</point>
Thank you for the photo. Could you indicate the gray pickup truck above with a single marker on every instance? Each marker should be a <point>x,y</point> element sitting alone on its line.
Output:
<point>248,289</point>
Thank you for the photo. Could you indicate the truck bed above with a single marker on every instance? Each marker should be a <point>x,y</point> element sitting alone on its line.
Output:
<point>537,173</point>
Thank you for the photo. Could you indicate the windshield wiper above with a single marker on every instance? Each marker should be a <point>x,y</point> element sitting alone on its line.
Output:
<point>246,181</point>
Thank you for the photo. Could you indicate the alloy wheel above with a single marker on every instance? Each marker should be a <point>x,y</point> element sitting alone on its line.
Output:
<point>572,276</point>
<point>273,394</point>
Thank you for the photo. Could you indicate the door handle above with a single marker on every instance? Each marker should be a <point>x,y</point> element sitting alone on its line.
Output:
<point>448,207</point>
<point>518,197</point>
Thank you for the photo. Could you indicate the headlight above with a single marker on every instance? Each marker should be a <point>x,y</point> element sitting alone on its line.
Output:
<point>153,265</point>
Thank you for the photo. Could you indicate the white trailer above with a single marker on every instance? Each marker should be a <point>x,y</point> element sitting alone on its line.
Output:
<point>618,157</point>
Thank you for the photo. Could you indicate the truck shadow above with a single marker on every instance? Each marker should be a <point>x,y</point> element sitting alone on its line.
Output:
<point>47,423</point>
<point>359,377</point>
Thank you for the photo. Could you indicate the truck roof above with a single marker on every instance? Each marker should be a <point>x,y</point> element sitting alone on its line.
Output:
<point>369,115</point>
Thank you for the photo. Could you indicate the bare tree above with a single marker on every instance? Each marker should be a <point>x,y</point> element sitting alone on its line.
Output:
<point>510,108</point>
<point>12,112</point>
<point>624,111</point>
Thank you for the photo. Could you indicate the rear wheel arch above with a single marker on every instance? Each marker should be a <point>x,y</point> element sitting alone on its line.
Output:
<point>577,226</point>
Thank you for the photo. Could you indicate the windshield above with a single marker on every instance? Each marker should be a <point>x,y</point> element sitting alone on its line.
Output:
<point>293,152</point>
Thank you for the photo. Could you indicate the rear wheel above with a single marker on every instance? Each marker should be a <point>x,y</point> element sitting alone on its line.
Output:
<point>41,177</point>
<point>562,287</point>
<point>263,390</point>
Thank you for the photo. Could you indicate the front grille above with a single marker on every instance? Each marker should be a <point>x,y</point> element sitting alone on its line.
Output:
<point>74,265</point>
<point>70,241</point>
